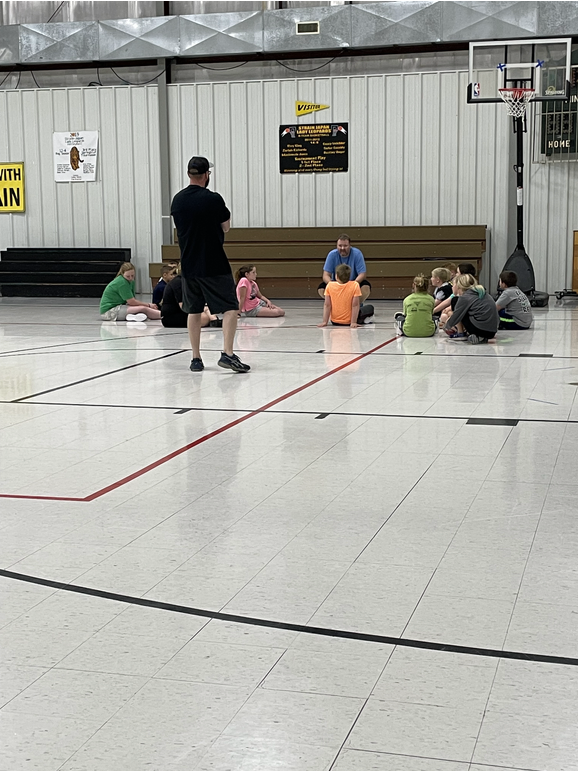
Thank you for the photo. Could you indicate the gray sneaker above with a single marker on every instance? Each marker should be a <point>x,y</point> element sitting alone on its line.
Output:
<point>476,339</point>
<point>234,363</point>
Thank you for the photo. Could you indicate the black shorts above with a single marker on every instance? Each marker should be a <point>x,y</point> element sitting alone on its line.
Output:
<point>472,329</point>
<point>365,282</point>
<point>454,302</point>
<point>175,320</point>
<point>218,292</point>
<point>507,322</point>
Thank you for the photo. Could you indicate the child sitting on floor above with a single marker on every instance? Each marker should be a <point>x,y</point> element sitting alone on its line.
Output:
<point>342,301</point>
<point>448,306</point>
<point>168,272</point>
<point>513,306</point>
<point>251,301</point>
<point>417,317</point>
<point>440,280</point>
<point>475,317</point>
<point>118,302</point>
<point>172,313</point>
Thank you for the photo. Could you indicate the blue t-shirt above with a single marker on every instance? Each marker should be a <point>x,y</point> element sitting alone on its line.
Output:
<point>158,291</point>
<point>354,260</point>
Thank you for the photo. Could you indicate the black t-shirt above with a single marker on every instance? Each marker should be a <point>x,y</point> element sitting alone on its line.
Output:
<point>172,314</point>
<point>442,292</point>
<point>198,214</point>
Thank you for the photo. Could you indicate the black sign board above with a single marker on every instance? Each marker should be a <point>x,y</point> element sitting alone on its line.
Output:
<point>304,149</point>
<point>559,124</point>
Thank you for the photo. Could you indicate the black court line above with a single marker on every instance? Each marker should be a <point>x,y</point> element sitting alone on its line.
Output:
<point>491,422</point>
<point>536,355</point>
<point>301,628</point>
<point>175,409</point>
<point>93,377</point>
<point>322,415</point>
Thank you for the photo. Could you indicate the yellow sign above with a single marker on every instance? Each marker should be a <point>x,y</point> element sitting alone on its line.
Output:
<point>11,187</point>
<point>305,108</point>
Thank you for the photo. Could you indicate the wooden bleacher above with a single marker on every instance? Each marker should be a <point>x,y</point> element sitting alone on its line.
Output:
<point>290,260</point>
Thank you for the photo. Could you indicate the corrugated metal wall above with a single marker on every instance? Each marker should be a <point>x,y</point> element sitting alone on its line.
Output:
<point>418,154</point>
<point>122,208</point>
<point>551,218</point>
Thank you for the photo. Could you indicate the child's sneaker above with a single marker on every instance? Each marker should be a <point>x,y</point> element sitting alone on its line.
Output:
<point>476,339</point>
<point>136,316</point>
<point>458,335</point>
<point>197,365</point>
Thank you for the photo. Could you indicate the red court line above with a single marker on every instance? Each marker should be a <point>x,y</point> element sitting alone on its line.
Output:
<point>206,437</point>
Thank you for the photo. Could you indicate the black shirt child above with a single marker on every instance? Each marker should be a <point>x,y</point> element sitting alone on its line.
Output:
<point>442,292</point>
<point>198,214</point>
<point>172,315</point>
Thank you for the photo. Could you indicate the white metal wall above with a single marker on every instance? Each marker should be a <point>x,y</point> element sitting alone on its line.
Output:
<point>418,154</point>
<point>122,208</point>
<point>551,218</point>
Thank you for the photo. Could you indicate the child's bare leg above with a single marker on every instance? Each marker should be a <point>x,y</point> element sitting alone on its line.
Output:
<point>270,313</point>
<point>444,317</point>
<point>151,313</point>
<point>206,318</point>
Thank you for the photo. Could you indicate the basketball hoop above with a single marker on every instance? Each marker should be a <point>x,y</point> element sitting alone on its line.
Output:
<point>516,100</point>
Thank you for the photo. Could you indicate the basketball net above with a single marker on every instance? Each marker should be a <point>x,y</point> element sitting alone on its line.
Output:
<point>516,100</point>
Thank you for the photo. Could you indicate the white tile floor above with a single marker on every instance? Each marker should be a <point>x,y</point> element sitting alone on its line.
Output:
<point>360,499</point>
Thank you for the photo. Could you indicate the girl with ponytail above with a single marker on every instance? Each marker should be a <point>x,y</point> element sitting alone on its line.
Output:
<point>417,317</point>
<point>251,301</point>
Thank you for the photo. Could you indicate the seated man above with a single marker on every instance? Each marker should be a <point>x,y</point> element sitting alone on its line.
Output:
<point>347,255</point>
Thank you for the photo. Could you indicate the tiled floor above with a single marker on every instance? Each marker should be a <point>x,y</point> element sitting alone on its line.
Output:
<point>339,485</point>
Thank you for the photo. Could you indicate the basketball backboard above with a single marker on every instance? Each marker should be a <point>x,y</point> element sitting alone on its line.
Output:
<point>543,65</point>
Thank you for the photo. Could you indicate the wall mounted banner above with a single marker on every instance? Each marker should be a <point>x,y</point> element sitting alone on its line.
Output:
<point>11,187</point>
<point>75,156</point>
<point>313,148</point>
<point>305,108</point>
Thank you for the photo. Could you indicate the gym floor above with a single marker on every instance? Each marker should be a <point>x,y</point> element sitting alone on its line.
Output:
<point>380,532</point>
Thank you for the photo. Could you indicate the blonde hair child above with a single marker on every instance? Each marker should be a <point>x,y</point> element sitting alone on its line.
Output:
<point>475,317</point>
<point>118,302</point>
<point>417,317</point>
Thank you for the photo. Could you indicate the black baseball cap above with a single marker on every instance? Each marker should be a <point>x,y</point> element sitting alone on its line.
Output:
<point>199,165</point>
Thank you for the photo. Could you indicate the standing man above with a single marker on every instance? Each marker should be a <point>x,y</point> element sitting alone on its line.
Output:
<point>202,219</point>
<point>347,255</point>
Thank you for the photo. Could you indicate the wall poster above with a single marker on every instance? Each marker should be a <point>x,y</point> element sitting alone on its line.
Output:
<point>11,187</point>
<point>313,148</point>
<point>75,156</point>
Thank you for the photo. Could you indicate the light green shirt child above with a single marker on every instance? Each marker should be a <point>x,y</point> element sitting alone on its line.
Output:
<point>418,309</point>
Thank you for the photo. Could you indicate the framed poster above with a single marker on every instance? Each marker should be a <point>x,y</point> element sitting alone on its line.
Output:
<point>75,156</point>
<point>304,149</point>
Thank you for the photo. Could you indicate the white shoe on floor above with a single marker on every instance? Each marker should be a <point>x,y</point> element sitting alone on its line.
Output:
<point>136,316</point>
